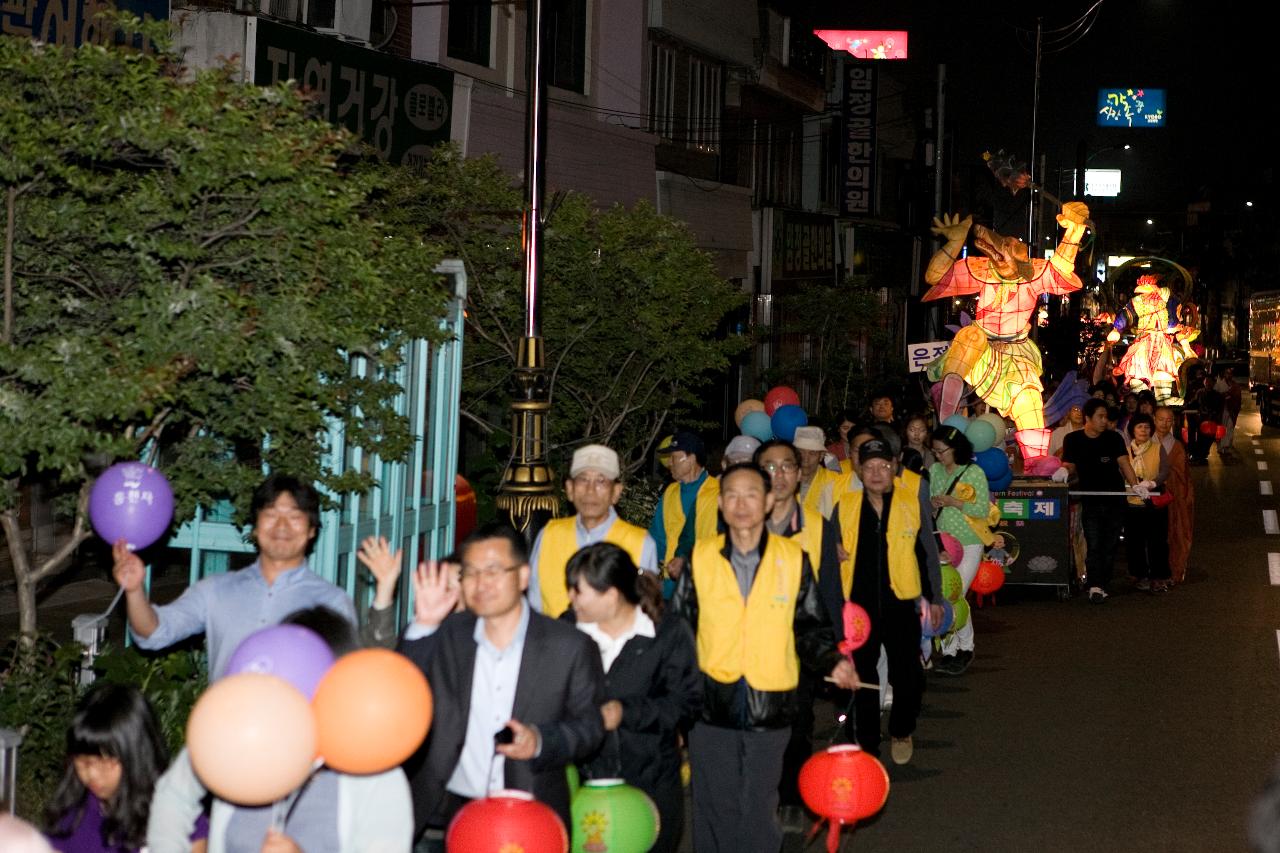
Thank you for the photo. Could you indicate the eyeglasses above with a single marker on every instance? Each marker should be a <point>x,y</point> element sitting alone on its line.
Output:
<point>882,467</point>
<point>488,573</point>
<point>599,484</point>
<point>938,451</point>
<point>784,467</point>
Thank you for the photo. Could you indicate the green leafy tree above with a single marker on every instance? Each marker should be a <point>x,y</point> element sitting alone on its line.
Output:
<point>630,306</point>
<point>835,343</point>
<point>189,265</point>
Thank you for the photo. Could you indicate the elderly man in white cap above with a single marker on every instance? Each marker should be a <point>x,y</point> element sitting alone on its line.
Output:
<point>741,448</point>
<point>817,490</point>
<point>593,488</point>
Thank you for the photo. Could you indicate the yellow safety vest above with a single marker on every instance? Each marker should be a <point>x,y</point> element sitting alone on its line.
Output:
<point>822,495</point>
<point>903,528</point>
<point>752,639</point>
<point>810,538</point>
<point>560,542</point>
<point>706,510</point>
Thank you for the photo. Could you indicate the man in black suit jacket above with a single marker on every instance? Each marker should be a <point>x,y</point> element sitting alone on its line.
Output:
<point>498,665</point>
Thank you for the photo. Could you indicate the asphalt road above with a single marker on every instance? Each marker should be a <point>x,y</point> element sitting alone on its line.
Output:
<point>1147,723</point>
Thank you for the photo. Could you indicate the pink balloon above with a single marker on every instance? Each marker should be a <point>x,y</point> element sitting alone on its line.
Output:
<point>779,397</point>
<point>954,550</point>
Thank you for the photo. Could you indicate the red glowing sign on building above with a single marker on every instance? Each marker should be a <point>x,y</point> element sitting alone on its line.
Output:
<point>867,44</point>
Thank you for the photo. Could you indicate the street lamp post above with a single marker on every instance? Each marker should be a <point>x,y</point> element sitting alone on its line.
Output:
<point>527,495</point>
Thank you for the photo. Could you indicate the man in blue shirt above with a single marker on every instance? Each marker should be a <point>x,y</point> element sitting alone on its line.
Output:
<point>227,608</point>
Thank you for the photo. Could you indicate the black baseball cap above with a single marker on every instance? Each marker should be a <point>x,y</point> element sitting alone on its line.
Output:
<point>686,442</point>
<point>874,449</point>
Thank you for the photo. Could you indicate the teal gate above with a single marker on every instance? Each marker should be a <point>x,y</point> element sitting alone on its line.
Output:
<point>413,503</point>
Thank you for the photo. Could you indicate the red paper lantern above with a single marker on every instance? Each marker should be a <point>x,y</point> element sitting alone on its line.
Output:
<point>844,785</point>
<point>857,628</point>
<point>506,821</point>
<point>779,397</point>
<point>1220,433</point>
<point>990,577</point>
<point>1208,427</point>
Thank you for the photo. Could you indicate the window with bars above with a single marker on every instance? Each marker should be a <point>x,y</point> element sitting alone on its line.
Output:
<point>662,91</point>
<point>704,106</point>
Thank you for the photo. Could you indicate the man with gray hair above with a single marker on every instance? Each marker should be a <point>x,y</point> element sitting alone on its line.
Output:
<point>594,487</point>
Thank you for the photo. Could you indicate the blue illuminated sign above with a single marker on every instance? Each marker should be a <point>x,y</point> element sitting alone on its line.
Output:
<point>1131,107</point>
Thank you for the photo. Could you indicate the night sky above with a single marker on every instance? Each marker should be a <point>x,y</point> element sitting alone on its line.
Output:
<point>1216,61</point>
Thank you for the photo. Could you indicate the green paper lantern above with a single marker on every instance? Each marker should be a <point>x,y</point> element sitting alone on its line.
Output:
<point>952,586</point>
<point>574,779</point>
<point>610,816</point>
<point>962,615</point>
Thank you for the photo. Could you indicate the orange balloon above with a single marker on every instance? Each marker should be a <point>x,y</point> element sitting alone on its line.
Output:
<point>745,408</point>
<point>373,709</point>
<point>252,738</point>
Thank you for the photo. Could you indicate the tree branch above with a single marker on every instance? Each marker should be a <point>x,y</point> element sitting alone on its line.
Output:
<point>79,532</point>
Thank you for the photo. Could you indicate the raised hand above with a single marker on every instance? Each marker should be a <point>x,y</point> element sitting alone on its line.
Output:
<point>951,227</point>
<point>127,568</point>
<point>383,564</point>
<point>435,595</point>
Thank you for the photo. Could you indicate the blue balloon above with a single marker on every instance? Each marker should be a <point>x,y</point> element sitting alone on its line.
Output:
<point>1002,483</point>
<point>757,425</point>
<point>785,421</point>
<point>993,463</point>
<point>958,421</point>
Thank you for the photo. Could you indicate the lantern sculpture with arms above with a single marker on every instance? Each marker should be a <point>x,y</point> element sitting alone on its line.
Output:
<point>843,785</point>
<point>995,354</point>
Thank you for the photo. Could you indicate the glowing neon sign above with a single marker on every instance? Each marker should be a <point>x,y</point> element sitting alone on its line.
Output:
<point>867,44</point>
<point>1131,107</point>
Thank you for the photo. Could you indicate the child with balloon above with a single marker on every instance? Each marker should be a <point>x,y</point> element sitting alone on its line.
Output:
<point>114,755</point>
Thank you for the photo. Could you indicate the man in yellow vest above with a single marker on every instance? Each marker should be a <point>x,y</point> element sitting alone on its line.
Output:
<point>755,609</point>
<point>817,481</point>
<point>781,461</point>
<point>593,488</point>
<point>687,510</point>
<point>887,533</point>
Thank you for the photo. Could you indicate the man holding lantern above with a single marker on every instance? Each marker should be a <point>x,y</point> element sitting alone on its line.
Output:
<point>748,576</point>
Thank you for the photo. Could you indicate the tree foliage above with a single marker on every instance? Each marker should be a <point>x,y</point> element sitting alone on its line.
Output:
<point>630,306</point>
<point>189,263</point>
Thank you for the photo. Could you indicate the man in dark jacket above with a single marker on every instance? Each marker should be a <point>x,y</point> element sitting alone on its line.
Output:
<point>741,578</point>
<point>497,667</point>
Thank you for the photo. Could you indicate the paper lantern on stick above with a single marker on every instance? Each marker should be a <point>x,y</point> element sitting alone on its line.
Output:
<point>990,577</point>
<point>857,628</point>
<point>610,815</point>
<point>952,584</point>
<point>951,548</point>
<point>506,821</point>
<point>843,785</point>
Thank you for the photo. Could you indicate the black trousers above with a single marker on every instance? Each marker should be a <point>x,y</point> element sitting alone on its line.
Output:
<point>1146,536</point>
<point>1101,521</point>
<point>898,629</point>
<point>800,747</point>
<point>735,788</point>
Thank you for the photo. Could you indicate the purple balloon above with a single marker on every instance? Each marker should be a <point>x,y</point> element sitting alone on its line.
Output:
<point>133,502</point>
<point>291,652</point>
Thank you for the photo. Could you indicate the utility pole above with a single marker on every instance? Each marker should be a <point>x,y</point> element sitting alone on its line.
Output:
<point>1031,161</point>
<point>527,496</point>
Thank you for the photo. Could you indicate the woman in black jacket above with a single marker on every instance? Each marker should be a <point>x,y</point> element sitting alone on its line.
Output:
<point>652,684</point>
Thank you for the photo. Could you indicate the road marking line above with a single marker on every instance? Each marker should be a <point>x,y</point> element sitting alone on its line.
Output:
<point>1270,523</point>
<point>1262,466</point>
<point>1258,450</point>
<point>1273,568</point>
<point>1264,487</point>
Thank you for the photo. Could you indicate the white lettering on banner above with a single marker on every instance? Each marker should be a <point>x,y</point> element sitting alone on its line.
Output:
<point>919,356</point>
<point>426,107</point>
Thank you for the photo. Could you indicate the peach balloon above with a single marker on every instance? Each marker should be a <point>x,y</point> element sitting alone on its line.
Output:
<point>373,709</point>
<point>745,408</point>
<point>252,738</point>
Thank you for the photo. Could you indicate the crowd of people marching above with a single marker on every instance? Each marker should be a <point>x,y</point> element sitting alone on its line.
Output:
<point>689,649</point>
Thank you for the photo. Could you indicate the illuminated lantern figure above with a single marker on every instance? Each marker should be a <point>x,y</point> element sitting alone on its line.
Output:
<point>994,353</point>
<point>843,785</point>
<point>610,816</point>
<point>1159,345</point>
<point>857,628</point>
<point>506,822</point>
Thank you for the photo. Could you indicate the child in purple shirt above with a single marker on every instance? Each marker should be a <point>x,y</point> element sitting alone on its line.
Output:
<point>114,755</point>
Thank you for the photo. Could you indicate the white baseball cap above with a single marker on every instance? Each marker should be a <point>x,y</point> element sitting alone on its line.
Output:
<point>597,457</point>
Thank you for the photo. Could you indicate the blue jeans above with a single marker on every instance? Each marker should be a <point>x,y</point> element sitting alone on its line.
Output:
<point>1101,519</point>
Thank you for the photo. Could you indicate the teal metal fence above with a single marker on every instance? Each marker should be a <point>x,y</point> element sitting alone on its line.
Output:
<point>413,503</point>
